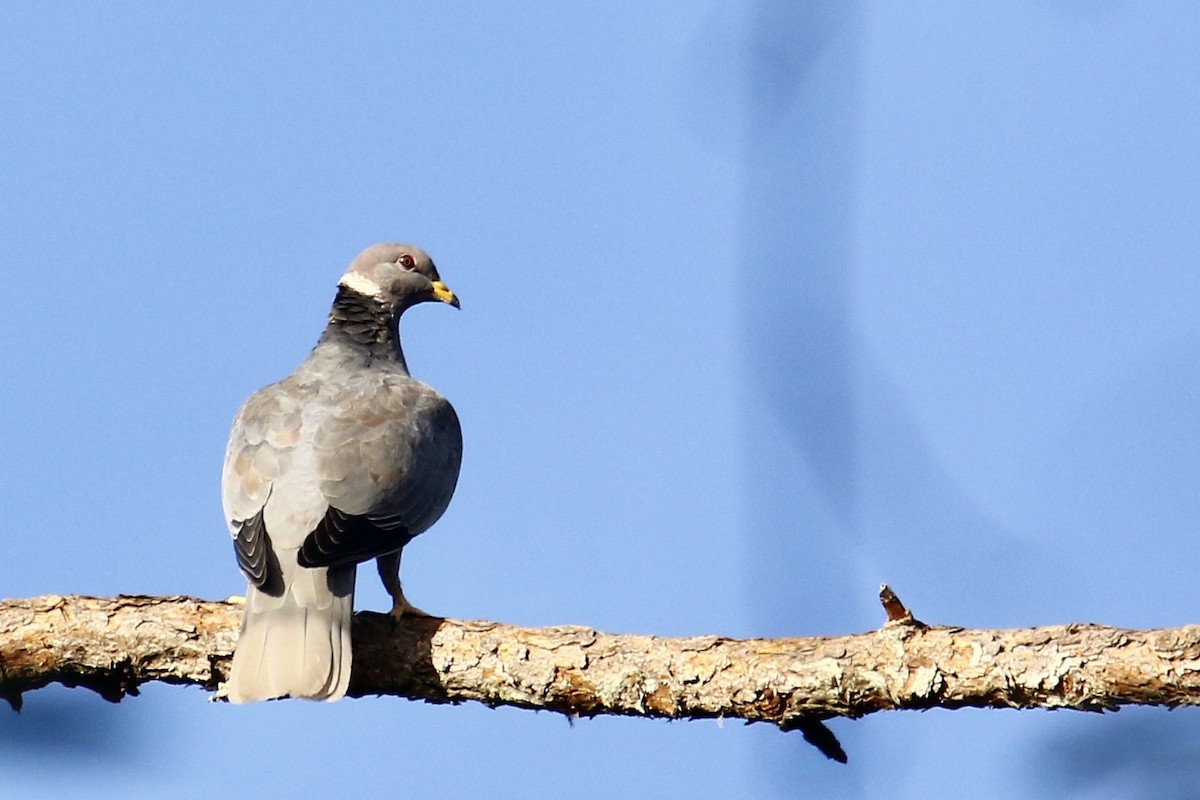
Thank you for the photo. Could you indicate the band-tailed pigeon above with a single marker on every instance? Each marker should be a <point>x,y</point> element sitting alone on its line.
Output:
<point>345,460</point>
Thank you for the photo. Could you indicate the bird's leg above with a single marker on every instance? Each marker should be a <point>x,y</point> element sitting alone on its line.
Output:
<point>389,573</point>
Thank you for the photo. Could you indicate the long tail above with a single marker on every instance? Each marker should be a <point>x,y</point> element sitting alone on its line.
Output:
<point>297,645</point>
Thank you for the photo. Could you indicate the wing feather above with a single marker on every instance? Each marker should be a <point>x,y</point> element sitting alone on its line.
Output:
<point>387,462</point>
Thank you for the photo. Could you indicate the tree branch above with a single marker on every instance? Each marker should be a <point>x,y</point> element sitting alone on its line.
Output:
<point>113,645</point>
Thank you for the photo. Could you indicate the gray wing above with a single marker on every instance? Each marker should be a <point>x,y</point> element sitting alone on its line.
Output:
<point>263,445</point>
<point>386,462</point>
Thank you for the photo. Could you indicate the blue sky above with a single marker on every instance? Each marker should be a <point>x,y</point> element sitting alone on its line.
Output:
<point>762,306</point>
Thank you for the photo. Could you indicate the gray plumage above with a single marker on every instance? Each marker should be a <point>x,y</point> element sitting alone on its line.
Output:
<point>345,460</point>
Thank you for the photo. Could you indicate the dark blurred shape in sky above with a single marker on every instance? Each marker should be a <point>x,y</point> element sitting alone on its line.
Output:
<point>893,158</point>
<point>1138,752</point>
<point>801,147</point>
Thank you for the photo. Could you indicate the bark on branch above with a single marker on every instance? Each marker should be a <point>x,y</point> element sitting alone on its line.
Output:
<point>113,645</point>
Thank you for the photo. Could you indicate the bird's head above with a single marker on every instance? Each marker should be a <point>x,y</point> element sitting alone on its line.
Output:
<point>398,276</point>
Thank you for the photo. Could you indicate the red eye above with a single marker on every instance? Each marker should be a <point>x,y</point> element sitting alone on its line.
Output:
<point>406,261</point>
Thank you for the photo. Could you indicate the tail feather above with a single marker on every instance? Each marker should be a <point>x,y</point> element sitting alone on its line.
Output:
<point>296,645</point>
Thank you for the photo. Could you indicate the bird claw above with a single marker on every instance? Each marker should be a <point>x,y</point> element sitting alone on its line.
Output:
<point>402,608</point>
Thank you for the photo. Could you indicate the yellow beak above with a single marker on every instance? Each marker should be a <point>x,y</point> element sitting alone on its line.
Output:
<point>442,292</point>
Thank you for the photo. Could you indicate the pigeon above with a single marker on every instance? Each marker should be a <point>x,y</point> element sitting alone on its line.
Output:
<point>344,461</point>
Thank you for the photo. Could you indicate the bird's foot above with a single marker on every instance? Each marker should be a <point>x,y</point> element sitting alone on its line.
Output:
<point>402,608</point>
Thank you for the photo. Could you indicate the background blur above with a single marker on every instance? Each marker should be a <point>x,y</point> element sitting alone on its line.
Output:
<point>763,304</point>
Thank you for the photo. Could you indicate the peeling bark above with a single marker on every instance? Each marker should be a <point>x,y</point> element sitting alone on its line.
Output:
<point>113,645</point>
